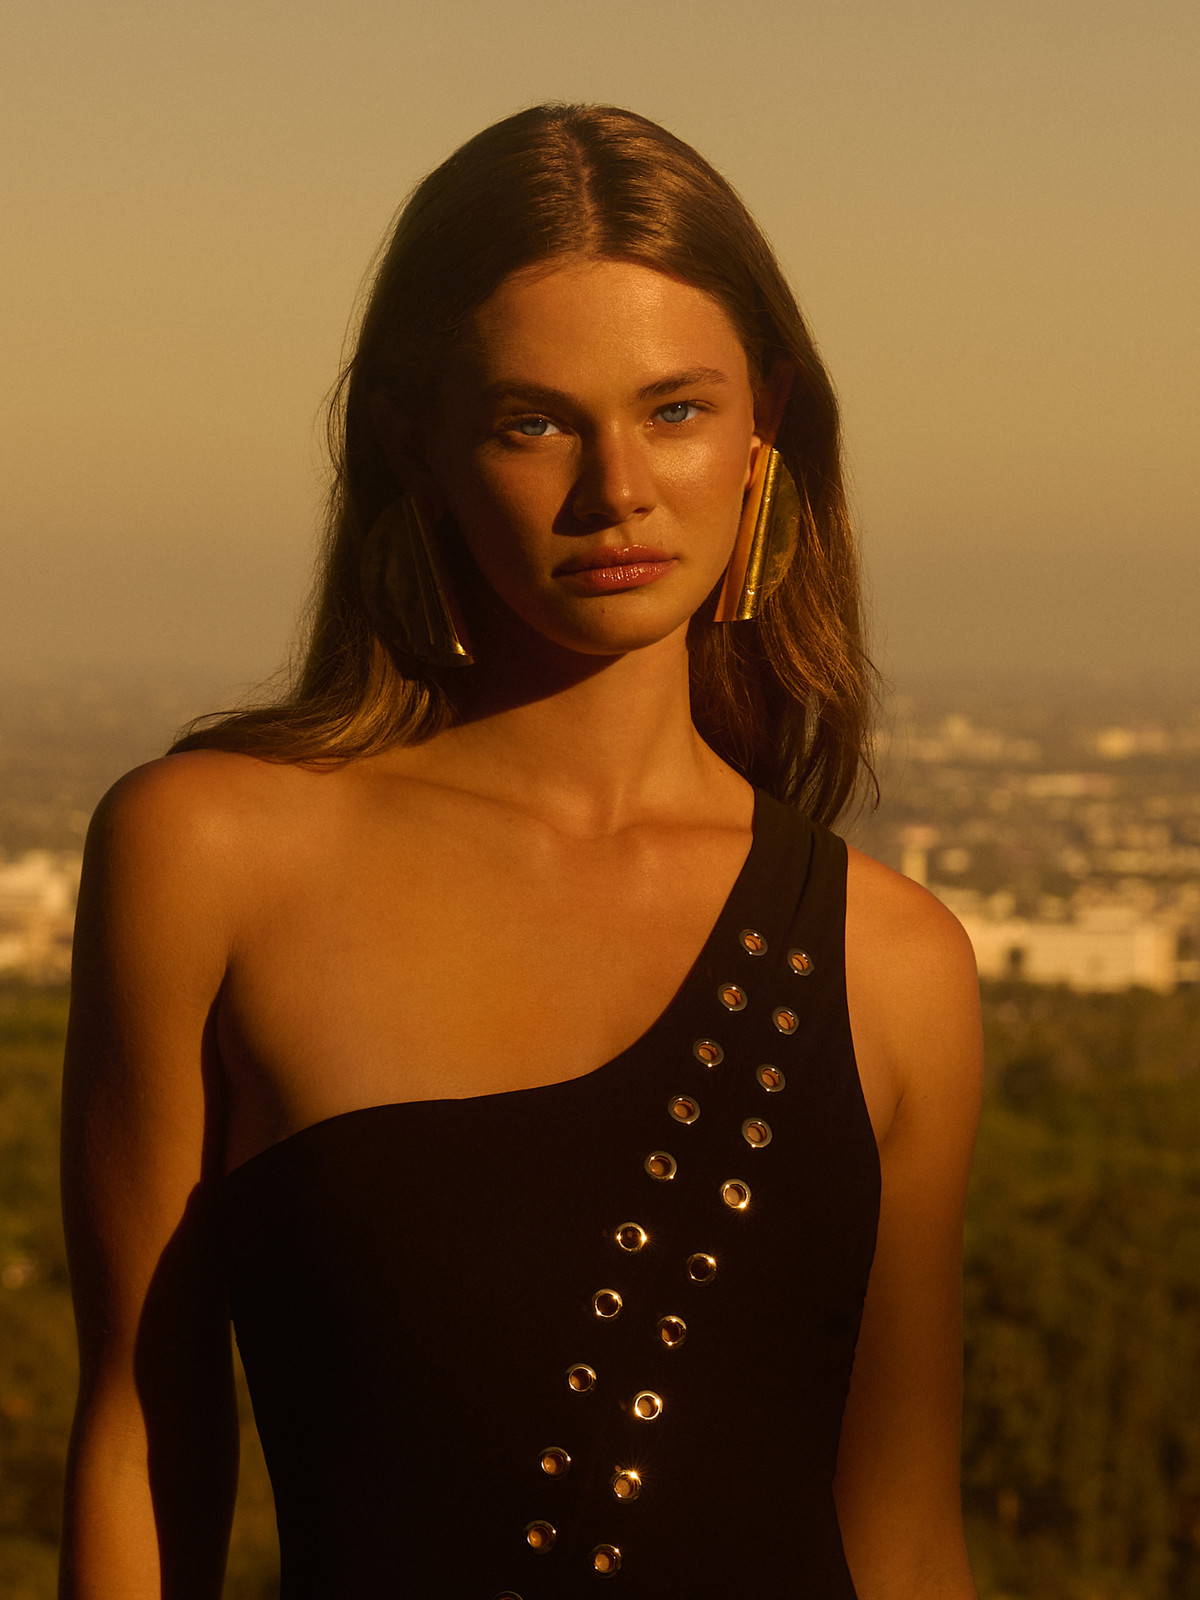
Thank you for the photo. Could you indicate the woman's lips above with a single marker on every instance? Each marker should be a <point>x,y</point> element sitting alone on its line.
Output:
<point>605,571</point>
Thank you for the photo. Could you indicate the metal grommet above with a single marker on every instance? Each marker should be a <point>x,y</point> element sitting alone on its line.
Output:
<point>647,1405</point>
<point>786,1021</point>
<point>627,1483</point>
<point>672,1331</point>
<point>683,1108</point>
<point>509,1594</point>
<point>756,1133</point>
<point>708,1052</point>
<point>660,1165</point>
<point>554,1462</point>
<point>732,997</point>
<point>606,1559</point>
<point>607,1303</point>
<point>701,1268</point>
<point>800,962</point>
<point>540,1536</point>
<point>631,1236</point>
<point>581,1378</point>
<point>736,1194</point>
<point>752,943</point>
<point>771,1079</point>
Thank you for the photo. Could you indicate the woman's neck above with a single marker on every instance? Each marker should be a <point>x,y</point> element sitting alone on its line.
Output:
<point>593,744</point>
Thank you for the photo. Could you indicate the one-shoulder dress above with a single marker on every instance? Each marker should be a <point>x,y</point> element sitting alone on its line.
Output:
<point>593,1338</point>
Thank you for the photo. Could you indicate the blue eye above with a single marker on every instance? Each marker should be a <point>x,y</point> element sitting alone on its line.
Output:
<point>535,427</point>
<point>677,411</point>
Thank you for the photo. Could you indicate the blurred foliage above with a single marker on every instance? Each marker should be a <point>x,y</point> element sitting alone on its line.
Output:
<point>1082,1293</point>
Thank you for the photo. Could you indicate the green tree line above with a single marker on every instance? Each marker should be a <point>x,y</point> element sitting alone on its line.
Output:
<point>1081,1465</point>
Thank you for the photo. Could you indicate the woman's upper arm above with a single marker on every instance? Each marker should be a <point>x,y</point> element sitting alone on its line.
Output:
<point>914,1006</point>
<point>154,1451</point>
<point>151,941</point>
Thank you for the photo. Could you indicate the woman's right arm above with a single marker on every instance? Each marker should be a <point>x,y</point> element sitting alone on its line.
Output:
<point>153,1461</point>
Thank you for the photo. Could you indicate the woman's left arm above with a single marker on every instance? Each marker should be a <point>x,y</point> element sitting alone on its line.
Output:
<point>914,1012</point>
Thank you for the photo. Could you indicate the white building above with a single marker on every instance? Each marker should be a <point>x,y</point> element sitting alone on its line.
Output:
<point>37,912</point>
<point>1104,948</point>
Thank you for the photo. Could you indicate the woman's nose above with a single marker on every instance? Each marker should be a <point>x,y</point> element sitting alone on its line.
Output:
<point>615,483</point>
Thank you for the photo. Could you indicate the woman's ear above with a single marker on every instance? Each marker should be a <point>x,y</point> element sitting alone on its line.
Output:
<point>769,400</point>
<point>404,452</point>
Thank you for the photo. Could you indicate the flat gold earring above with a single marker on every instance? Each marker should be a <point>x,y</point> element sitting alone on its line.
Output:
<point>768,534</point>
<point>406,589</point>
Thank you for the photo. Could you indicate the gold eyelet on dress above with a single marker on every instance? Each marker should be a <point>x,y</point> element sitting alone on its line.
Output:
<point>581,1378</point>
<point>660,1165</point>
<point>627,1483</point>
<point>631,1236</point>
<point>509,1594</point>
<point>606,1559</point>
<point>554,1462</point>
<point>732,997</point>
<point>647,1405</point>
<point>708,1052</point>
<point>752,943</point>
<point>736,1194</point>
<point>607,1303</point>
<point>683,1108</point>
<point>701,1268</point>
<point>756,1133</point>
<point>771,1079</point>
<point>672,1331</point>
<point>800,962</point>
<point>785,1020</point>
<point>540,1536</point>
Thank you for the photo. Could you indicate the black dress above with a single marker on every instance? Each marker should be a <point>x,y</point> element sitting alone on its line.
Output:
<point>592,1338</point>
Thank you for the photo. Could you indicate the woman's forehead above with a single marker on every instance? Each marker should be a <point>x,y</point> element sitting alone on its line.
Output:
<point>624,317</point>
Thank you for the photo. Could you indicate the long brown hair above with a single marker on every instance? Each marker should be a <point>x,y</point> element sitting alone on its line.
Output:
<point>785,699</point>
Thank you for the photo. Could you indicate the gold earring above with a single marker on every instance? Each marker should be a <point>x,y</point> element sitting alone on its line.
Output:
<point>407,593</point>
<point>768,534</point>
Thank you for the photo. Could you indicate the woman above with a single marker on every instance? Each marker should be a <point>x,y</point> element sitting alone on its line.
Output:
<point>515,1322</point>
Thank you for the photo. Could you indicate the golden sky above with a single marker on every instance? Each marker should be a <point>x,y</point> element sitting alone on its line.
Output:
<point>988,207</point>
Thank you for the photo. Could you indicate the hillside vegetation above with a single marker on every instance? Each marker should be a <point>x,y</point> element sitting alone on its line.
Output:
<point>1082,1282</point>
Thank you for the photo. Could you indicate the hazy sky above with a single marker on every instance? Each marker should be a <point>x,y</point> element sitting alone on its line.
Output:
<point>989,209</point>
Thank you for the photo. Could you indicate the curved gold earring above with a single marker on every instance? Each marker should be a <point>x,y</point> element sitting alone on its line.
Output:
<point>406,590</point>
<point>768,534</point>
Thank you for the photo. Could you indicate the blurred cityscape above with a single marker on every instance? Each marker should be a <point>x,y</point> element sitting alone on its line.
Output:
<point>1063,829</point>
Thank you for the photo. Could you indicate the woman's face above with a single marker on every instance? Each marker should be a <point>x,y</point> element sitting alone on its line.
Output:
<point>593,440</point>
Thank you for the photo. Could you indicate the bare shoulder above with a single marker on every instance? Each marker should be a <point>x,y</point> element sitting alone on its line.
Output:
<point>912,989</point>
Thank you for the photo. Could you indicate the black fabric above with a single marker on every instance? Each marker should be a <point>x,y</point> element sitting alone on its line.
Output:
<point>410,1284</point>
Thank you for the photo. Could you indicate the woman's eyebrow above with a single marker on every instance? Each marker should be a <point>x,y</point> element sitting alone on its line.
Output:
<point>543,394</point>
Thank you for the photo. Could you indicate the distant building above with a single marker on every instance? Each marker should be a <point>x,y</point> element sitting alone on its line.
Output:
<point>1104,948</point>
<point>37,913</point>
